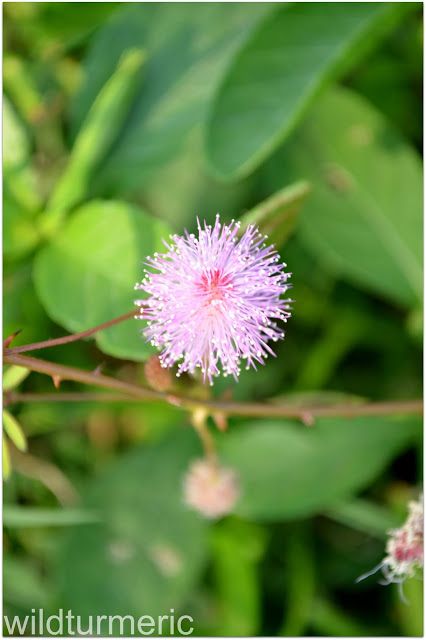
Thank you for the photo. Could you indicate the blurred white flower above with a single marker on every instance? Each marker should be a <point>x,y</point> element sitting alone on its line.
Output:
<point>210,489</point>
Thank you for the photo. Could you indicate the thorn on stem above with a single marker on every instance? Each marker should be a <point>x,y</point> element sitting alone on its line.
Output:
<point>220,420</point>
<point>98,370</point>
<point>56,381</point>
<point>174,400</point>
<point>8,341</point>
<point>307,418</point>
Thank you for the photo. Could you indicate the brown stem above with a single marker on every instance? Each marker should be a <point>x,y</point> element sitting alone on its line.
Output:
<point>230,408</point>
<point>12,397</point>
<point>54,342</point>
<point>79,375</point>
<point>199,422</point>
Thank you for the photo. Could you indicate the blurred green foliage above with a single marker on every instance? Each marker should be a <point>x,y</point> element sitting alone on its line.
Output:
<point>123,122</point>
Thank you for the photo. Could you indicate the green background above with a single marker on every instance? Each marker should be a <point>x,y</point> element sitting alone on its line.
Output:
<point>124,121</point>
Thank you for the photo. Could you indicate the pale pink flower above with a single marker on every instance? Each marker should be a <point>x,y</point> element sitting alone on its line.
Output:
<point>210,489</point>
<point>404,548</point>
<point>215,300</point>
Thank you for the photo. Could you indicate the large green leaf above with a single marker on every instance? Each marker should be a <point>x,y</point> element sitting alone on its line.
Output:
<point>363,218</point>
<point>187,46</point>
<point>288,470</point>
<point>148,554</point>
<point>87,274</point>
<point>279,70</point>
<point>192,191</point>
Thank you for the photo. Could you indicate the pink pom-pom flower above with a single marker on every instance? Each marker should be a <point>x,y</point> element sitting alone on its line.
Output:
<point>215,300</point>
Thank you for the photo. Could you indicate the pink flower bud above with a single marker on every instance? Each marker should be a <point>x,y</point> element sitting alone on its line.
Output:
<point>157,376</point>
<point>210,489</point>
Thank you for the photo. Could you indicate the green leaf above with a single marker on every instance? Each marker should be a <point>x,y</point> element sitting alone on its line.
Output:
<point>410,612</point>
<point>87,274</point>
<point>299,579</point>
<point>20,517</point>
<point>99,130</point>
<point>415,325</point>
<point>13,376</point>
<point>20,196</point>
<point>191,190</point>
<point>278,72</point>
<point>364,516</point>
<point>238,547</point>
<point>277,215</point>
<point>23,310</point>
<point>188,46</point>
<point>25,583</point>
<point>20,84</point>
<point>14,431</point>
<point>15,143</point>
<point>20,234</point>
<point>329,620</point>
<point>6,465</point>
<point>364,216</point>
<point>341,333</point>
<point>148,553</point>
<point>289,471</point>
<point>52,29</point>
<point>20,202</point>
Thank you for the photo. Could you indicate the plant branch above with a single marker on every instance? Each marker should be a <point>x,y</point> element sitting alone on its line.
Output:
<point>306,414</point>
<point>13,397</point>
<point>64,372</point>
<point>54,342</point>
<point>199,422</point>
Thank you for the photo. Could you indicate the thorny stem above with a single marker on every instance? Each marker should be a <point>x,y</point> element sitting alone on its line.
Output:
<point>54,342</point>
<point>64,372</point>
<point>13,397</point>
<point>305,414</point>
<point>128,391</point>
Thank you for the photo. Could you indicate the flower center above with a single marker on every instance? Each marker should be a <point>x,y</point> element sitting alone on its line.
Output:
<point>213,283</point>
